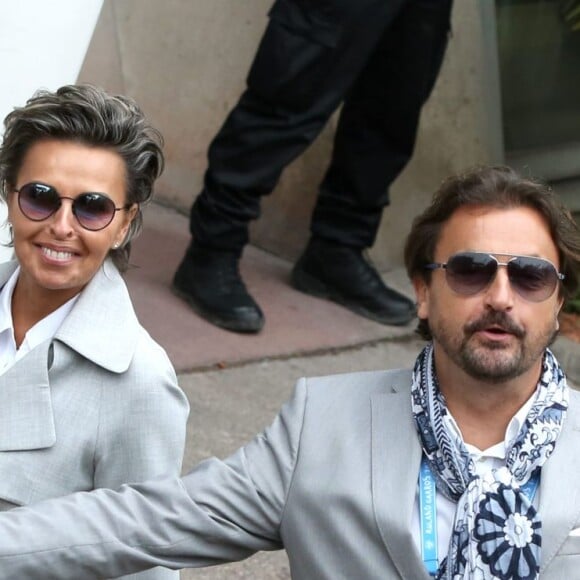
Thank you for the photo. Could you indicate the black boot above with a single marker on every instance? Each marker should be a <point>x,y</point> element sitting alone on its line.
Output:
<point>209,280</point>
<point>342,274</point>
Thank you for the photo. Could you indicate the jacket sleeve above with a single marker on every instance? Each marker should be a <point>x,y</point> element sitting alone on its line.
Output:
<point>141,435</point>
<point>220,512</point>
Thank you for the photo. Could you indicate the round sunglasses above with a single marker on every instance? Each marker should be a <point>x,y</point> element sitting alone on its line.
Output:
<point>468,273</point>
<point>93,211</point>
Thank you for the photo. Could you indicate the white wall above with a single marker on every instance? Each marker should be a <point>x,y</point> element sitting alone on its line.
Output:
<point>42,45</point>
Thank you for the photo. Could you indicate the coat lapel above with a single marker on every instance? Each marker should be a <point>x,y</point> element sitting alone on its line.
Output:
<point>559,491</point>
<point>26,415</point>
<point>396,457</point>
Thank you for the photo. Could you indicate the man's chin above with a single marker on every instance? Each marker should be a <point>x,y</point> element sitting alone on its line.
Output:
<point>496,363</point>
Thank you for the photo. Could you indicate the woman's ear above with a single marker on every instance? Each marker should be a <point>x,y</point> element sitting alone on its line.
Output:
<point>11,200</point>
<point>130,214</point>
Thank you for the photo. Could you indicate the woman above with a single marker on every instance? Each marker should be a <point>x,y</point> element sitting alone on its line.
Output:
<point>88,398</point>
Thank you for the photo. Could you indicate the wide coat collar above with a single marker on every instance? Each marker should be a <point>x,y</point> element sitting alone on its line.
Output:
<point>101,327</point>
<point>396,459</point>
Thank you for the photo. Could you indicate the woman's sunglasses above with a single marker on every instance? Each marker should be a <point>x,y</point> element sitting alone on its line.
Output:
<point>468,273</point>
<point>93,211</point>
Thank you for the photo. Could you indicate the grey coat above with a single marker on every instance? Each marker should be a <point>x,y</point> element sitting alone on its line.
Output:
<point>97,406</point>
<point>332,481</point>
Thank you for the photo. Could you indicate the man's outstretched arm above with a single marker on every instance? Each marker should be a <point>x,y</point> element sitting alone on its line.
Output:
<point>222,511</point>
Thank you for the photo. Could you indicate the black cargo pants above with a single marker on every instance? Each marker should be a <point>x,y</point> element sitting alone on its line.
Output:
<point>380,58</point>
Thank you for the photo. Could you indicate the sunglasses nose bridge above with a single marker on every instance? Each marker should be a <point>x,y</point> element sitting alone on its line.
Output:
<point>497,271</point>
<point>499,292</point>
<point>64,216</point>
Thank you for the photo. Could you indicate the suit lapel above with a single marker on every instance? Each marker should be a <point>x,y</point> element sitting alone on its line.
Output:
<point>396,457</point>
<point>559,492</point>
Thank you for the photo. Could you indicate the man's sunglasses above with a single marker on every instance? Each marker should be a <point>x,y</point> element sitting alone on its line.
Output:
<point>468,273</point>
<point>93,211</point>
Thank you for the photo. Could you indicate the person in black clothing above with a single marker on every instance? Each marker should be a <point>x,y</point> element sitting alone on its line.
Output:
<point>380,59</point>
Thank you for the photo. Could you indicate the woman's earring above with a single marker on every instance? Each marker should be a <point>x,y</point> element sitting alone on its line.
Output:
<point>116,245</point>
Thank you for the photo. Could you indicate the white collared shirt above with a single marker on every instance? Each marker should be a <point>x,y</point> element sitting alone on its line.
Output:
<point>43,330</point>
<point>485,461</point>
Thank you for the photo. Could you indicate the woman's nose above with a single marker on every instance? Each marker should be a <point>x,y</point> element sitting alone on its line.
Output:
<point>63,220</point>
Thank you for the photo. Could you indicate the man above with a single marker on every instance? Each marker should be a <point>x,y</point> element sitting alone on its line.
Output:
<point>380,58</point>
<point>465,467</point>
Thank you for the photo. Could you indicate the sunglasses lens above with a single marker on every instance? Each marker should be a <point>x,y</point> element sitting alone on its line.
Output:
<point>38,201</point>
<point>533,278</point>
<point>469,273</point>
<point>94,211</point>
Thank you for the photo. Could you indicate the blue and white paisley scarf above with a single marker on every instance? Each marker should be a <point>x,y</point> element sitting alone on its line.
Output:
<point>497,533</point>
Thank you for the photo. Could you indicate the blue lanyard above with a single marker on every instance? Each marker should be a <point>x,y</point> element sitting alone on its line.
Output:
<point>428,514</point>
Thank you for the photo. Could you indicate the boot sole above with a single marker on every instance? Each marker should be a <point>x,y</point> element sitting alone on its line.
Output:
<point>241,326</point>
<point>314,287</point>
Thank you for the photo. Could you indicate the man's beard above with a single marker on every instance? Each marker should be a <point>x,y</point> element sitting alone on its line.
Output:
<point>486,361</point>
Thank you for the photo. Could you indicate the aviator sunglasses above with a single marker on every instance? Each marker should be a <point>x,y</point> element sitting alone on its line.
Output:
<point>468,273</point>
<point>93,211</point>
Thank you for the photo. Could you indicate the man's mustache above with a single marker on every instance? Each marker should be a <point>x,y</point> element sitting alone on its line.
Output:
<point>497,319</point>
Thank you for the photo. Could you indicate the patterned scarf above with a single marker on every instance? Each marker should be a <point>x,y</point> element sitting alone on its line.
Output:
<point>497,533</point>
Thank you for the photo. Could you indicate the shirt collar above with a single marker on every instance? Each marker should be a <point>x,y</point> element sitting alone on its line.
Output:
<point>499,449</point>
<point>43,330</point>
<point>6,301</point>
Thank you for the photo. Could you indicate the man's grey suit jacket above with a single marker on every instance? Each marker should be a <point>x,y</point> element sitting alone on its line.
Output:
<point>332,480</point>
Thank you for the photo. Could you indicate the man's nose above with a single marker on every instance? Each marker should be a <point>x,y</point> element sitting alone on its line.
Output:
<point>499,295</point>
